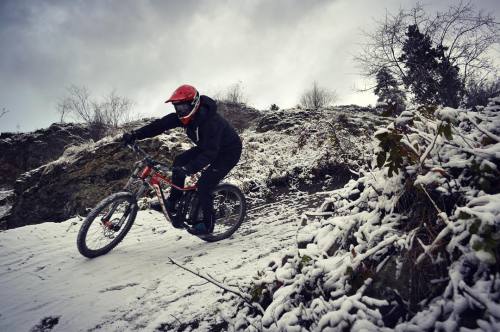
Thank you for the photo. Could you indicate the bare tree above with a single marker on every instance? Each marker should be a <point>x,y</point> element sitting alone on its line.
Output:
<point>100,116</point>
<point>77,102</point>
<point>234,94</point>
<point>466,34</point>
<point>317,97</point>
<point>114,109</point>
<point>479,93</point>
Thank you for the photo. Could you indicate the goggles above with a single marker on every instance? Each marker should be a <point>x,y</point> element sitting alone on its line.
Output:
<point>183,109</point>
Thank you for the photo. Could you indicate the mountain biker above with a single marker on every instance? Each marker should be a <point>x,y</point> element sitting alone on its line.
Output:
<point>217,145</point>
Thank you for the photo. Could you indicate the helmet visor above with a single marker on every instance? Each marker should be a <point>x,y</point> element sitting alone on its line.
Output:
<point>183,109</point>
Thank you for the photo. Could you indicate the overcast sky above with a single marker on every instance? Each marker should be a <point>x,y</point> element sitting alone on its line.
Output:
<point>145,49</point>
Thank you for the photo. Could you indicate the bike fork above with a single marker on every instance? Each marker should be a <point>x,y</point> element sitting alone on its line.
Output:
<point>106,218</point>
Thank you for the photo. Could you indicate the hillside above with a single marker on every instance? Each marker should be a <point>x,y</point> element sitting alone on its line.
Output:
<point>275,154</point>
<point>356,222</point>
<point>289,164</point>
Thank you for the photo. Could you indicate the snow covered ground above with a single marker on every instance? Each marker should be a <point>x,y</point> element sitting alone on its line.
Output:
<point>44,281</point>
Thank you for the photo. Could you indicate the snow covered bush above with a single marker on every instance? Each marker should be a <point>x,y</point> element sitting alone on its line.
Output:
<point>412,245</point>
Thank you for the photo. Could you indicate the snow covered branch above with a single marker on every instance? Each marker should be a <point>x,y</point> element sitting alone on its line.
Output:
<point>211,280</point>
<point>483,130</point>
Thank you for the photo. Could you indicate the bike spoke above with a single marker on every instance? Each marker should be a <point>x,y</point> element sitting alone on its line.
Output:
<point>99,234</point>
<point>228,209</point>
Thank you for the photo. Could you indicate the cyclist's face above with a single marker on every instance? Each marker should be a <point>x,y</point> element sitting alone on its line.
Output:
<point>183,109</point>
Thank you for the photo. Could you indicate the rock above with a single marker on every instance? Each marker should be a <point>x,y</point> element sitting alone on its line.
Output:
<point>76,179</point>
<point>81,178</point>
<point>284,119</point>
<point>25,151</point>
<point>7,199</point>
<point>239,115</point>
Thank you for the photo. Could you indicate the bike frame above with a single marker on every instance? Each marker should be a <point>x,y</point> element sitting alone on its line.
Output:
<point>157,178</point>
<point>150,175</point>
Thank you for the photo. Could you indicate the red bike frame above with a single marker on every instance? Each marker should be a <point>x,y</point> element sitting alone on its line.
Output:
<point>152,177</point>
<point>157,178</point>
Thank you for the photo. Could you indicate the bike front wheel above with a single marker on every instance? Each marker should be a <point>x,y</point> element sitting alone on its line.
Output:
<point>107,224</point>
<point>230,210</point>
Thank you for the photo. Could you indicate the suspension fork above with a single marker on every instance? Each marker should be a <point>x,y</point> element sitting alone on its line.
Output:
<point>138,193</point>
<point>105,219</point>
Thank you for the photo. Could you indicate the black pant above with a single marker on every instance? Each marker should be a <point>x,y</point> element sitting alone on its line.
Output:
<point>209,179</point>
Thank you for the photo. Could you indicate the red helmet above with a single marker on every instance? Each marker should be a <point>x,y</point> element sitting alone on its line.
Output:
<point>186,100</point>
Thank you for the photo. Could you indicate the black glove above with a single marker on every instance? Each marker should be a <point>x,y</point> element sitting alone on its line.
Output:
<point>128,138</point>
<point>181,171</point>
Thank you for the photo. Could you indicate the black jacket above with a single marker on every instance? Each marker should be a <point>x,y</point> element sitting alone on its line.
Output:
<point>208,130</point>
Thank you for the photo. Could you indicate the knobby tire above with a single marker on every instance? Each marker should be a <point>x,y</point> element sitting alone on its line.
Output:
<point>241,198</point>
<point>92,218</point>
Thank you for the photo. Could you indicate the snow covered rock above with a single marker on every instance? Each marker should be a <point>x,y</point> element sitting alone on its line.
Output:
<point>241,116</point>
<point>317,154</point>
<point>21,152</point>
<point>80,178</point>
<point>311,150</point>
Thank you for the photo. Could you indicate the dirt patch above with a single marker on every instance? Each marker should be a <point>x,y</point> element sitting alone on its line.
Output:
<point>46,324</point>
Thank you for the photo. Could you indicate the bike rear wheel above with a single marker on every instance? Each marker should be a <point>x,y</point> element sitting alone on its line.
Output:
<point>230,211</point>
<point>107,224</point>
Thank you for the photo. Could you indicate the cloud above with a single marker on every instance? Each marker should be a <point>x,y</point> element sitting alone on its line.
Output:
<point>145,49</point>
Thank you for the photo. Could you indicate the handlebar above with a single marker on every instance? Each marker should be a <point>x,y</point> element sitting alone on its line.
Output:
<point>147,158</point>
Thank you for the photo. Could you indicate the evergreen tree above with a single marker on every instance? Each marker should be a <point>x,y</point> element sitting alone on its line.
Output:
<point>429,74</point>
<point>419,58</point>
<point>450,87</point>
<point>388,92</point>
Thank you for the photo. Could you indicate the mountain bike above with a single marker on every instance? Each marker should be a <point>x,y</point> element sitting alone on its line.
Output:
<point>108,223</point>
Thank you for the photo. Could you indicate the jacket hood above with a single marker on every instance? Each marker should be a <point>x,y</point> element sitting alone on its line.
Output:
<point>209,104</point>
<point>208,107</point>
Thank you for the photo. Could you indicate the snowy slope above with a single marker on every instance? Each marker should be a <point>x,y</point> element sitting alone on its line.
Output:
<point>44,281</point>
<point>133,287</point>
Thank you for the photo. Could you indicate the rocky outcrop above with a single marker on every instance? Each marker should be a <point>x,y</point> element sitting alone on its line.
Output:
<point>284,119</point>
<point>21,152</point>
<point>80,178</point>
<point>286,146</point>
<point>7,199</point>
<point>52,184</point>
<point>354,119</point>
<point>239,115</point>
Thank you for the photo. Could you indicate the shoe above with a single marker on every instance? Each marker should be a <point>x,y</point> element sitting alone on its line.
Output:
<point>203,228</point>
<point>170,205</point>
<point>199,229</point>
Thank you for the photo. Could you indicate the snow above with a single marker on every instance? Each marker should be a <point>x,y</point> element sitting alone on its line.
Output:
<point>430,178</point>
<point>447,114</point>
<point>404,118</point>
<point>132,287</point>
